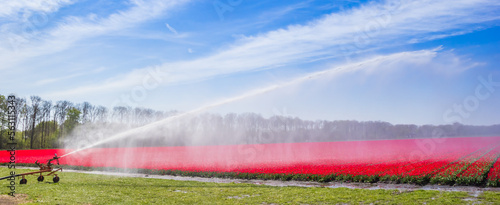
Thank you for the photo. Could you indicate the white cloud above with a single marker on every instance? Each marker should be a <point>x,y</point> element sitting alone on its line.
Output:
<point>13,7</point>
<point>371,26</point>
<point>432,59</point>
<point>17,47</point>
<point>171,29</point>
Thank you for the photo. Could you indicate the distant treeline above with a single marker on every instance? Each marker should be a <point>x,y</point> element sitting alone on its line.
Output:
<point>251,128</point>
<point>43,124</point>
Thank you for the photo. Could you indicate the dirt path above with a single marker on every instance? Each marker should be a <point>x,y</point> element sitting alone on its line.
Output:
<point>9,200</point>
<point>401,187</point>
<point>473,190</point>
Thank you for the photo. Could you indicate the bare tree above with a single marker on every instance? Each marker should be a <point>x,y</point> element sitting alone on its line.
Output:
<point>26,113</point>
<point>46,109</point>
<point>92,114</point>
<point>148,115</point>
<point>86,109</point>
<point>3,117</point>
<point>121,113</point>
<point>19,104</point>
<point>62,110</point>
<point>102,114</point>
<point>35,104</point>
<point>138,116</point>
<point>56,113</point>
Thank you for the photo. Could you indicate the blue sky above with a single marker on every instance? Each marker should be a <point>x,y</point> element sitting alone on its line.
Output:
<point>421,62</point>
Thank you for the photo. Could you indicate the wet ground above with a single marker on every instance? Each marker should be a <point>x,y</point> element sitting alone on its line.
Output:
<point>472,190</point>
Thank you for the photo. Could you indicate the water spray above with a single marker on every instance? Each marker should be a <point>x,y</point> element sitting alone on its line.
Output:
<point>314,75</point>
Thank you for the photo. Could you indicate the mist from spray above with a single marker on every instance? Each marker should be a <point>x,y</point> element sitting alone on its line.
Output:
<point>165,122</point>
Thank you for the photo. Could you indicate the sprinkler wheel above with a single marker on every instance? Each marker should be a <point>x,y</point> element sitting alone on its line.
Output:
<point>40,178</point>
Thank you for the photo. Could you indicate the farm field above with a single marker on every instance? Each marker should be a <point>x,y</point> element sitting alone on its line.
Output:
<point>79,188</point>
<point>460,161</point>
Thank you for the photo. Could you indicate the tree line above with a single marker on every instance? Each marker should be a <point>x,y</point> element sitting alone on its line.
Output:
<point>46,124</point>
<point>252,128</point>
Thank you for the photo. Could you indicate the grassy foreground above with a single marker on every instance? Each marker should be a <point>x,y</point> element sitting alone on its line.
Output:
<point>77,188</point>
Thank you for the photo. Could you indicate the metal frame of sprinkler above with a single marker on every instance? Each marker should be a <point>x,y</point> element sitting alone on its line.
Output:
<point>43,169</point>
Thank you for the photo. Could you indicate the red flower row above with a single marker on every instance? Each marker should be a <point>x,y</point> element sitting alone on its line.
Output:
<point>420,158</point>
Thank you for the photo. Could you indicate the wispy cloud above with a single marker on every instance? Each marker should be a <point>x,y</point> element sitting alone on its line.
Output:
<point>14,7</point>
<point>371,26</point>
<point>436,60</point>
<point>67,77</point>
<point>171,29</point>
<point>277,13</point>
<point>16,48</point>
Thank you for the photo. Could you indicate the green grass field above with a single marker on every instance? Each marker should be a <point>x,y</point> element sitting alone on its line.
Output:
<point>78,188</point>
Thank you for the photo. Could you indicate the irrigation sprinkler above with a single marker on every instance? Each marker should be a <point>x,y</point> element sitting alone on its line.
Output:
<point>44,168</point>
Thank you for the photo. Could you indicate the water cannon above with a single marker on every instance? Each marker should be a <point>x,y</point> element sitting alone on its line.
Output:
<point>44,168</point>
<point>55,158</point>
